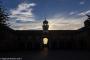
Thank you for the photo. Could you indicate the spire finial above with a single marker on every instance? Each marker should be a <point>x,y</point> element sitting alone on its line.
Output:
<point>45,18</point>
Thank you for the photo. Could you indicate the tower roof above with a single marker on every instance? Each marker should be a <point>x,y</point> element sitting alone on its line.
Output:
<point>45,21</point>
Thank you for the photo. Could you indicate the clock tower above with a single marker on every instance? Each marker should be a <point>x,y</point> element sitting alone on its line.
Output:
<point>45,26</point>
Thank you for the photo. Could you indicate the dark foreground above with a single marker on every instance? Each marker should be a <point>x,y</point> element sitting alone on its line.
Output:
<point>46,54</point>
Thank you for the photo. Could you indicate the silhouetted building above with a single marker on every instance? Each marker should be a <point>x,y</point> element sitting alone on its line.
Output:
<point>36,39</point>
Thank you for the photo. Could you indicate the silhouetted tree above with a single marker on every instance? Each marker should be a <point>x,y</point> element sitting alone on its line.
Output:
<point>3,17</point>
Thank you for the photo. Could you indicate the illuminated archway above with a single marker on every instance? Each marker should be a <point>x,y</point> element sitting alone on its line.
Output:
<point>45,41</point>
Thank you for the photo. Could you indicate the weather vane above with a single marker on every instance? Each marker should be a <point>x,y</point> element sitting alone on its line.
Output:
<point>45,17</point>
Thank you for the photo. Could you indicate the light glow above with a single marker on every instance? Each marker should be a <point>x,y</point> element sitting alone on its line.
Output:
<point>45,41</point>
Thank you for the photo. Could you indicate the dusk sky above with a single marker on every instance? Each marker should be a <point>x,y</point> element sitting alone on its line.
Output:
<point>61,14</point>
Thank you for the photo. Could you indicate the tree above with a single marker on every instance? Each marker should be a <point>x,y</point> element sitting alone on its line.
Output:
<point>3,17</point>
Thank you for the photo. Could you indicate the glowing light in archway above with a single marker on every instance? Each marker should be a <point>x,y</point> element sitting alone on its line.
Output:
<point>45,41</point>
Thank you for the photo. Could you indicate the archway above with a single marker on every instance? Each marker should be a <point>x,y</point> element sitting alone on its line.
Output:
<point>45,42</point>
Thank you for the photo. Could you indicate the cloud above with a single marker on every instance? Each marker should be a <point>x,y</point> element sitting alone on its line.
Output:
<point>22,18</point>
<point>23,12</point>
<point>72,12</point>
<point>55,23</point>
<point>82,2</point>
<point>84,13</point>
<point>64,23</point>
<point>36,25</point>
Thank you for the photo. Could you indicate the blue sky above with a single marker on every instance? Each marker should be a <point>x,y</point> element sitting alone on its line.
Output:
<point>61,14</point>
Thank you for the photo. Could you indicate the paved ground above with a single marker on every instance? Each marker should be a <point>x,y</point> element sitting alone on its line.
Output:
<point>46,54</point>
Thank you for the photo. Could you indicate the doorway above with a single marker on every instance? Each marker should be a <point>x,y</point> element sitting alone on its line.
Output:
<point>45,42</point>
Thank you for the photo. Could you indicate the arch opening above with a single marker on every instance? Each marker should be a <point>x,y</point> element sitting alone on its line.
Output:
<point>45,41</point>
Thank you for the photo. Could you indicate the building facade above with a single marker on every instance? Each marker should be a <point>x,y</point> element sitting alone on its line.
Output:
<point>52,39</point>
